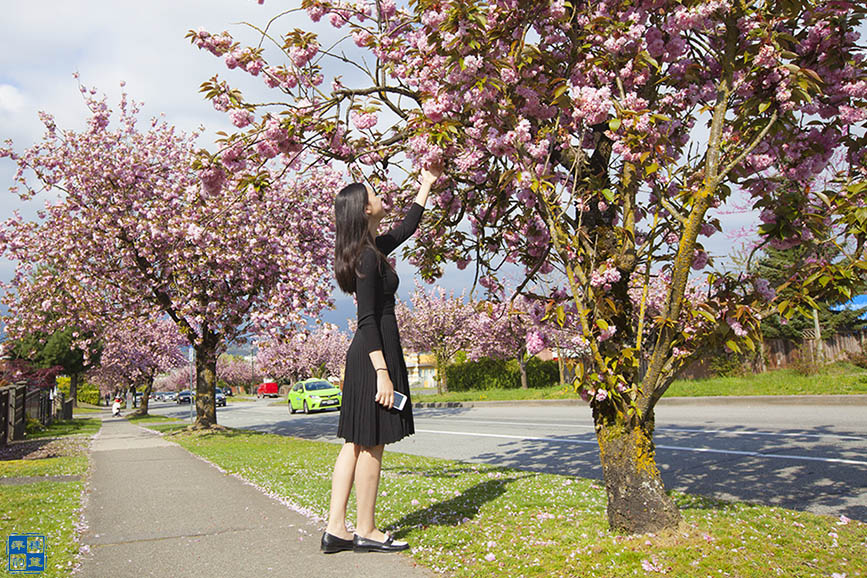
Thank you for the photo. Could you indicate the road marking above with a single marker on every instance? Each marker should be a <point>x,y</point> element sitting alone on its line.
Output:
<point>658,429</point>
<point>664,447</point>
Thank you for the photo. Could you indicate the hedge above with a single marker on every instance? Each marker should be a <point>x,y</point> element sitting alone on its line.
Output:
<point>487,373</point>
<point>87,392</point>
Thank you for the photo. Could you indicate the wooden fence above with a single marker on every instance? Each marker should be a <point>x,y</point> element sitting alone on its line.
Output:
<point>19,401</point>
<point>783,353</point>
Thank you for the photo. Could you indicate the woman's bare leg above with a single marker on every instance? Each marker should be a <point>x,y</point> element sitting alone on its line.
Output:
<point>367,470</point>
<point>341,485</point>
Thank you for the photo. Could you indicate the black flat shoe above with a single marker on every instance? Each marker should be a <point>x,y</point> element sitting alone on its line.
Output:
<point>331,544</point>
<point>360,544</point>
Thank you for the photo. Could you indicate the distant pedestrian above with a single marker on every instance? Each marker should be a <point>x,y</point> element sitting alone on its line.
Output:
<point>375,368</point>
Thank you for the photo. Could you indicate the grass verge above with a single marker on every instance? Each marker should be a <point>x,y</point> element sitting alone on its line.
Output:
<point>468,520</point>
<point>553,392</point>
<point>75,426</point>
<point>152,417</point>
<point>89,409</point>
<point>836,379</point>
<point>51,508</point>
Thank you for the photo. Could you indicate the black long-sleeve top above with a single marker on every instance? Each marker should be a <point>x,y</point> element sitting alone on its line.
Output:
<point>376,282</point>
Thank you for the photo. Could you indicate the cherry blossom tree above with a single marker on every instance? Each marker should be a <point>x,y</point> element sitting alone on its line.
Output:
<point>438,322</point>
<point>135,352</point>
<point>176,379</point>
<point>317,353</point>
<point>277,359</point>
<point>594,140</point>
<point>141,227</point>
<point>504,330</point>
<point>234,371</point>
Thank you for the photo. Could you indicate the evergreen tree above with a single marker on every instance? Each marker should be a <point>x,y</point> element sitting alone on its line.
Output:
<point>781,266</point>
<point>46,351</point>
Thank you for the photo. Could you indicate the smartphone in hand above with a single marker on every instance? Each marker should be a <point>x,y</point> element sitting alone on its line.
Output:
<point>399,401</point>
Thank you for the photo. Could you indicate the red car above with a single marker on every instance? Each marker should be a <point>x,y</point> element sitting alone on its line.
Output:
<point>268,388</point>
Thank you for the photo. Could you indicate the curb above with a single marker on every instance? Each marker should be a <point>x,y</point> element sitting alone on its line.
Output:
<point>853,399</point>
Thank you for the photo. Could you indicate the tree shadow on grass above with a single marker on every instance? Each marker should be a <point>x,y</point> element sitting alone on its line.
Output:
<point>819,469</point>
<point>454,511</point>
<point>451,471</point>
<point>26,449</point>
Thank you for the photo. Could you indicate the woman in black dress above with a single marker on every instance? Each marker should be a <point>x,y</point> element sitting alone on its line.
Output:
<point>375,367</point>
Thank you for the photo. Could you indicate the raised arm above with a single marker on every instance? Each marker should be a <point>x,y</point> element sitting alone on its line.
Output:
<point>403,230</point>
<point>387,242</point>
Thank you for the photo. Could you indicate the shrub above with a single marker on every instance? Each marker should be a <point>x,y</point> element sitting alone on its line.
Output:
<point>805,360</point>
<point>33,426</point>
<point>87,392</point>
<point>858,358</point>
<point>487,373</point>
<point>729,365</point>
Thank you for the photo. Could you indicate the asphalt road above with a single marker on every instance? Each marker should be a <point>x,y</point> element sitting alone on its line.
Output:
<point>808,456</point>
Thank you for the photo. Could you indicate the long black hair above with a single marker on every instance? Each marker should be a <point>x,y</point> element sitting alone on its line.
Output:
<point>353,234</point>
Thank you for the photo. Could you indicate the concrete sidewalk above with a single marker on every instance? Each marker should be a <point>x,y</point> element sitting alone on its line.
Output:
<point>155,509</point>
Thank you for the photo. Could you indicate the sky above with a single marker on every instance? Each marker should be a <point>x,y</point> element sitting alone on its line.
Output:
<point>43,42</point>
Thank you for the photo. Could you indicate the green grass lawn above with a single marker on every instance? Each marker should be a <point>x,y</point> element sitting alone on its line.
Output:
<point>554,392</point>
<point>152,418</point>
<point>89,409</point>
<point>469,520</point>
<point>50,508</point>
<point>76,425</point>
<point>838,378</point>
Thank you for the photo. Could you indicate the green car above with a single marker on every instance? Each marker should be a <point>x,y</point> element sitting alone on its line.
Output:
<point>314,394</point>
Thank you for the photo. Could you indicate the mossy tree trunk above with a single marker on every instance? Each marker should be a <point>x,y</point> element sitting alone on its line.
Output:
<point>146,393</point>
<point>637,502</point>
<point>206,381</point>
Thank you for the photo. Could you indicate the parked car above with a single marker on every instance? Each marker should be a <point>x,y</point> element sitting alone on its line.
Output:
<point>268,389</point>
<point>220,397</point>
<point>183,396</point>
<point>313,395</point>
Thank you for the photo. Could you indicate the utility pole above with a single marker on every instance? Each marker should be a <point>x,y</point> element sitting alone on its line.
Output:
<point>252,364</point>
<point>820,354</point>
<point>192,379</point>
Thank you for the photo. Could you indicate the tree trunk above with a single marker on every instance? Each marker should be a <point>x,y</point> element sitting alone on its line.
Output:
<point>73,389</point>
<point>143,410</point>
<point>561,365</point>
<point>442,379</point>
<point>522,363</point>
<point>206,381</point>
<point>762,366</point>
<point>637,502</point>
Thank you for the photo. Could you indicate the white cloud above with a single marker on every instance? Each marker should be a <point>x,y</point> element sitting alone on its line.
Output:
<point>11,100</point>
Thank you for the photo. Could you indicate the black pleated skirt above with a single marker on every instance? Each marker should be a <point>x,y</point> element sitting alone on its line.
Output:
<point>362,420</point>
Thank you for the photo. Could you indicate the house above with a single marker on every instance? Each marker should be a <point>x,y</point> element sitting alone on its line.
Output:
<point>421,369</point>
